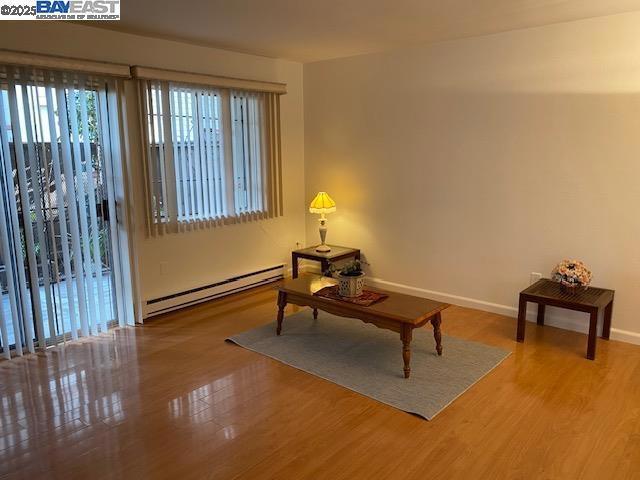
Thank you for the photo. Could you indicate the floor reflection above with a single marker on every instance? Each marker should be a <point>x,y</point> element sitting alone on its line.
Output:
<point>65,394</point>
<point>161,401</point>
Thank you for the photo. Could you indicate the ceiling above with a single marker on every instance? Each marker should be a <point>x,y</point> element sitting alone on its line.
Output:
<point>312,30</point>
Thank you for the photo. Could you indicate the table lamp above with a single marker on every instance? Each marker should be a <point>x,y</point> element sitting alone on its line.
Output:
<point>322,204</point>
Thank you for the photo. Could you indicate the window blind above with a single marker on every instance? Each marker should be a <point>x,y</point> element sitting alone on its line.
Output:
<point>59,148</point>
<point>248,159</point>
<point>212,155</point>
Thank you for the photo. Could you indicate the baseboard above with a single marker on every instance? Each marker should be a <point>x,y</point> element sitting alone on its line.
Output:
<point>625,336</point>
<point>193,296</point>
<point>554,320</point>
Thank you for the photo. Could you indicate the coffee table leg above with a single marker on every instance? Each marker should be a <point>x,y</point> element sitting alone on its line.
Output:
<point>593,327</point>
<point>324,268</point>
<point>606,326</point>
<point>282,302</point>
<point>294,265</point>
<point>541,309</point>
<point>437,334</point>
<point>522,318</point>
<point>405,336</point>
<point>315,313</point>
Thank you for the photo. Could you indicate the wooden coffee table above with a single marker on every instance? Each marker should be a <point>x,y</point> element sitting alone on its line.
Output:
<point>399,313</point>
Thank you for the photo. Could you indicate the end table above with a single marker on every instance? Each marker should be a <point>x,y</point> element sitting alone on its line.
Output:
<point>590,300</point>
<point>325,258</point>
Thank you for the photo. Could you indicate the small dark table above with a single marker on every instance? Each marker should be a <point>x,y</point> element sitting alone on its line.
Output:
<point>590,300</point>
<point>325,258</point>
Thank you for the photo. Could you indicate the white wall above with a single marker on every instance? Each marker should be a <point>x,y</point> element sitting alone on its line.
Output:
<point>195,258</point>
<point>463,166</point>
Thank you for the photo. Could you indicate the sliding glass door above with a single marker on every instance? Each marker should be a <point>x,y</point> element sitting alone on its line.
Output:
<point>59,273</point>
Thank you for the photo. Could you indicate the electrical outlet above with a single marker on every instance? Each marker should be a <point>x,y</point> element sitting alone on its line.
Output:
<point>534,277</point>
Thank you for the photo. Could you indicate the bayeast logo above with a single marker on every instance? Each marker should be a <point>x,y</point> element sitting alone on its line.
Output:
<point>78,9</point>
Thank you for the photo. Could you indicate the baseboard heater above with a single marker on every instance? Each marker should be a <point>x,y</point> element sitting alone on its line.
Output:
<point>219,289</point>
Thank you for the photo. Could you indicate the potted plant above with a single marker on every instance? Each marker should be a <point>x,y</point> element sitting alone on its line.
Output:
<point>351,280</point>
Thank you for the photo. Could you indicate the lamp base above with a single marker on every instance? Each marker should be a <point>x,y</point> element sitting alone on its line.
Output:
<point>323,247</point>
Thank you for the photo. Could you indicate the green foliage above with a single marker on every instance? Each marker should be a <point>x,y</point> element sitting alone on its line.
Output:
<point>92,117</point>
<point>352,269</point>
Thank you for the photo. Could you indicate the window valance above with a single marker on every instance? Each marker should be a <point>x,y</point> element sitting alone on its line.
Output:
<point>27,59</point>
<point>157,74</point>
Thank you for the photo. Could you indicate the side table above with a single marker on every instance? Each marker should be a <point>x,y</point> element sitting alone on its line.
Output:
<point>325,258</point>
<point>590,300</point>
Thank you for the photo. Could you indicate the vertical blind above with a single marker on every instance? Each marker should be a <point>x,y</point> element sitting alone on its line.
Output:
<point>248,143</point>
<point>60,244</point>
<point>212,155</point>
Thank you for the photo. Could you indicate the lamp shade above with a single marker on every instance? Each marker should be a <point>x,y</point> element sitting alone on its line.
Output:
<point>323,203</point>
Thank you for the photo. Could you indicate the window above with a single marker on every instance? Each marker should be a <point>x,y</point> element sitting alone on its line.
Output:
<point>63,255</point>
<point>212,154</point>
<point>247,158</point>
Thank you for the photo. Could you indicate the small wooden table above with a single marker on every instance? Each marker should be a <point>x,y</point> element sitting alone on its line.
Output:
<point>399,313</point>
<point>590,300</point>
<point>325,258</point>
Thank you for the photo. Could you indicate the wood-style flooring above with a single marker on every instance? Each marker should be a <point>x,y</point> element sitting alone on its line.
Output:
<point>171,399</point>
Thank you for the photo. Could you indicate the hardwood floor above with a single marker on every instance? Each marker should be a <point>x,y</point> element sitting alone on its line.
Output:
<point>173,400</point>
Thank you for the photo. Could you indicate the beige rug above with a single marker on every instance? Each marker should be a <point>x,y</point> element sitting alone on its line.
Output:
<point>368,360</point>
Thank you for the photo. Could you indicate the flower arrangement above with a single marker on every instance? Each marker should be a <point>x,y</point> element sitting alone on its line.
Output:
<point>571,273</point>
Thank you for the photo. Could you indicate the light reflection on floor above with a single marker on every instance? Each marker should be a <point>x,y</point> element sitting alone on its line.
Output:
<point>60,297</point>
<point>140,402</point>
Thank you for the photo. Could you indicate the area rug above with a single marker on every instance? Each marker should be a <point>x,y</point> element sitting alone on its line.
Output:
<point>368,360</point>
